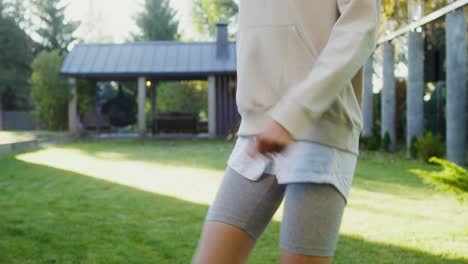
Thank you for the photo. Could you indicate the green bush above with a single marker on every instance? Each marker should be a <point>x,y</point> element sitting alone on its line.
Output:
<point>386,141</point>
<point>413,151</point>
<point>371,142</point>
<point>185,96</point>
<point>49,91</point>
<point>452,178</point>
<point>429,145</point>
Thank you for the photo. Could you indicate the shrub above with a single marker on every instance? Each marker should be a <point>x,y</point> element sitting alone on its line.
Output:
<point>413,151</point>
<point>452,178</point>
<point>386,142</point>
<point>430,145</point>
<point>185,96</point>
<point>50,92</point>
<point>371,142</point>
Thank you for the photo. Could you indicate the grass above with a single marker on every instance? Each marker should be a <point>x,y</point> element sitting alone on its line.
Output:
<point>144,202</point>
<point>7,137</point>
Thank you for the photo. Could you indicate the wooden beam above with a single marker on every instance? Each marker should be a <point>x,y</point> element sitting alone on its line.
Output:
<point>424,20</point>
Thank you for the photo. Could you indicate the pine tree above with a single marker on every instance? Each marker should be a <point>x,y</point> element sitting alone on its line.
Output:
<point>157,21</point>
<point>56,33</point>
<point>15,58</point>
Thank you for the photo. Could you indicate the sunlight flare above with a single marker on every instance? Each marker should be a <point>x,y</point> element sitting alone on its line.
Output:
<point>190,184</point>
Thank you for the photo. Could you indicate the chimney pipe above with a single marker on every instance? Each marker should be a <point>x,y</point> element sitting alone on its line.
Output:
<point>222,40</point>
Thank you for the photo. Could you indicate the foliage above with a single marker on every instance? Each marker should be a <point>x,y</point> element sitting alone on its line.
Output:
<point>206,13</point>
<point>55,33</point>
<point>398,9</point>
<point>429,145</point>
<point>386,141</point>
<point>188,96</point>
<point>50,92</point>
<point>18,11</point>
<point>157,21</point>
<point>87,96</point>
<point>15,58</point>
<point>372,142</point>
<point>452,178</point>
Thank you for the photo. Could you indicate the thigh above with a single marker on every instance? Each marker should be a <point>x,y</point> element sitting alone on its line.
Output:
<point>311,219</point>
<point>246,204</point>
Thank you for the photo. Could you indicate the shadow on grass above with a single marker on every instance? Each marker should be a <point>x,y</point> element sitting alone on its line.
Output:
<point>55,216</point>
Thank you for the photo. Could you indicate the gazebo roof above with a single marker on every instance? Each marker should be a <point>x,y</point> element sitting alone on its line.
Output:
<point>150,59</point>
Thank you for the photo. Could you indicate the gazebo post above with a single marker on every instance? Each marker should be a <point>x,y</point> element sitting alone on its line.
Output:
<point>153,96</point>
<point>141,106</point>
<point>212,106</point>
<point>73,107</point>
<point>388,96</point>
<point>368,98</point>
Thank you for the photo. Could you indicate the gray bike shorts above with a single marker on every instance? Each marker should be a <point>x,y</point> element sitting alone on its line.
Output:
<point>311,217</point>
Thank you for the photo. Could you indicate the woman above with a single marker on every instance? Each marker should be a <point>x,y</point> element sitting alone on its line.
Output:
<point>299,66</point>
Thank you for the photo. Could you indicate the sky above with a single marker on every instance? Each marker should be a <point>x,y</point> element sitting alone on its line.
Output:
<point>114,19</point>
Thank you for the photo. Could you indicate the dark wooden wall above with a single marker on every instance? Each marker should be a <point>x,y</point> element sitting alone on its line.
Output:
<point>227,116</point>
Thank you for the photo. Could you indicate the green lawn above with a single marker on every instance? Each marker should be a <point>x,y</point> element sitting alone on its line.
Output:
<point>144,202</point>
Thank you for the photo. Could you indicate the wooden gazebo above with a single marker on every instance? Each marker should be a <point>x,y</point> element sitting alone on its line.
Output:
<point>158,61</point>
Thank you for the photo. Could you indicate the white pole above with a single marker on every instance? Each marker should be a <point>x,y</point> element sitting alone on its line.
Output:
<point>73,107</point>
<point>368,99</point>
<point>456,87</point>
<point>388,95</point>
<point>141,106</point>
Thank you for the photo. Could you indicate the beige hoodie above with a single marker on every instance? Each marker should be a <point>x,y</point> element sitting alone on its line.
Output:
<point>300,63</point>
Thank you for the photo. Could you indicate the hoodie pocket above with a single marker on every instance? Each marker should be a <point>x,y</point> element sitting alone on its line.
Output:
<point>262,52</point>
<point>300,59</point>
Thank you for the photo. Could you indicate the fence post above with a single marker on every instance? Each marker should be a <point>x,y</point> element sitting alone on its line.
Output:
<point>368,98</point>
<point>456,87</point>
<point>415,89</point>
<point>388,100</point>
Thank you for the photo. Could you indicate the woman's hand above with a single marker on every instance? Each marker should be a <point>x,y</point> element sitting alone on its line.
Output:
<point>274,139</point>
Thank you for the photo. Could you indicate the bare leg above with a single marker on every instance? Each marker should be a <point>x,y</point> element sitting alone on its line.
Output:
<point>287,258</point>
<point>238,216</point>
<point>223,243</point>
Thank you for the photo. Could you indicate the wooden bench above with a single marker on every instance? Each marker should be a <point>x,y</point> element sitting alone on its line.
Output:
<point>175,122</point>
